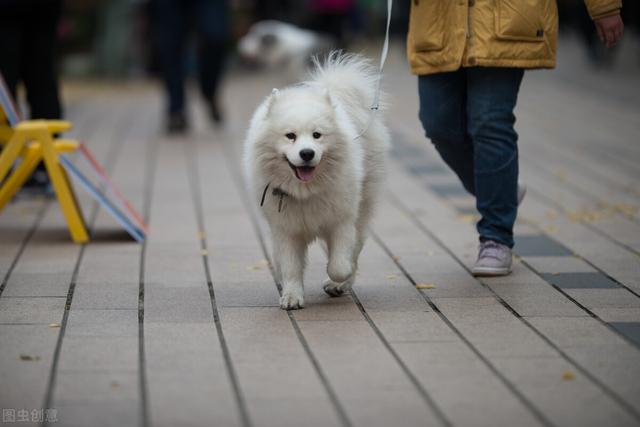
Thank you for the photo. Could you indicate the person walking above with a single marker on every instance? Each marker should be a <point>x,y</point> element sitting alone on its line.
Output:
<point>28,55</point>
<point>173,19</point>
<point>470,57</point>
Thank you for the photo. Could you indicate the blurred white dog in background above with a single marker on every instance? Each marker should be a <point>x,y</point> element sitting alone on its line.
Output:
<point>281,46</point>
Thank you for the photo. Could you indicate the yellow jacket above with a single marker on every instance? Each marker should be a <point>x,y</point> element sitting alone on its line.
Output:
<point>446,34</point>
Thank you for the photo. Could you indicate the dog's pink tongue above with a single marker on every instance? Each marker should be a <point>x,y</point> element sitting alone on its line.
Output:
<point>305,173</point>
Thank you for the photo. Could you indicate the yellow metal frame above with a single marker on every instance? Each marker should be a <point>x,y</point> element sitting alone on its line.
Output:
<point>33,141</point>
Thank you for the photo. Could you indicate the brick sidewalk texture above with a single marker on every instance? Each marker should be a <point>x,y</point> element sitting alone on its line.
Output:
<point>186,329</point>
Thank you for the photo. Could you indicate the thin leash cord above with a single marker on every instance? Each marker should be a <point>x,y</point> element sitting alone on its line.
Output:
<point>375,106</point>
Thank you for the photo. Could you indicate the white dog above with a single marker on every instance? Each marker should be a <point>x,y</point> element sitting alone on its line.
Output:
<point>281,46</point>
<point>314,158</point>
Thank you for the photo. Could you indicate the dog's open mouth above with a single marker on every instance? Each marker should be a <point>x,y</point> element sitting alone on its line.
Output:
<point>303,173</point>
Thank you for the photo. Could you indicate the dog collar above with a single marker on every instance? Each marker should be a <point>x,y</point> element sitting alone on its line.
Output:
<point>275,192</point>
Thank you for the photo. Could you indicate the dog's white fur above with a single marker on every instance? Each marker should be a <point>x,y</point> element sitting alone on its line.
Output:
<point>336,205</point>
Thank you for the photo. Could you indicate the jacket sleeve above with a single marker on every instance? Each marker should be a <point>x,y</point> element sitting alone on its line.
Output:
<point>601,8</point>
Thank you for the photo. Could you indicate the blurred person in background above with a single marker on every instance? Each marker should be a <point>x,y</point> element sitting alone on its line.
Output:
<point>28,38</point>
<point>331,17</point>
<point>173,21</point>
<point>470,60</point>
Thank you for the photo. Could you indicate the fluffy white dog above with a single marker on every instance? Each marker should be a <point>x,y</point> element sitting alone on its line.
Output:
<point>314,158</point>
<point>278,45</point>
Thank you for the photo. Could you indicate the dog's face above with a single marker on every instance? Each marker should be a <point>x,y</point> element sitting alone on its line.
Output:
<point>302,140</point>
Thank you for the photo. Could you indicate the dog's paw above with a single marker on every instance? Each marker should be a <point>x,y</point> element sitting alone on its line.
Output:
<point>334,289</point>
<point>291,301</point>
<point>339,270</point>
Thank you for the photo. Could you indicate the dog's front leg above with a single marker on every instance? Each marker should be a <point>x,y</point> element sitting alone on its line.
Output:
<point>290,254</point>
<point>342,244</point>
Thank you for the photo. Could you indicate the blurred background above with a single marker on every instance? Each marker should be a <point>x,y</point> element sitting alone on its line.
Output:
<point>137,39</point>
<point>118,38</point>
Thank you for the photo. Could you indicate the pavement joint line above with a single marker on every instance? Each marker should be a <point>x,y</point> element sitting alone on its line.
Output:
<point>588,225</point>
<point>40,215</point>
<point>581,306</point>
<point>25,241</point>
<point>149,178</point>
<point>331,394</point>
<point>608,391</point>
<point>504,380</point>
<point>439,413</point>
<point>622,187</point>
<point>195,188</point>
<point>557,205</point>
<point>598,269</point>
<point>410,376</point>
<point>110,161</point>
<point>33,296</point>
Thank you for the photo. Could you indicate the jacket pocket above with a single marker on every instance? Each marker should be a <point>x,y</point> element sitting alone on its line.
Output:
<point>426,24</point>
<point>520,20</point>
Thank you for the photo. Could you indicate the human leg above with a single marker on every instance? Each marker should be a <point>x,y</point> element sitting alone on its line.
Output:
<point>492,97</point>
<point>443,116</point>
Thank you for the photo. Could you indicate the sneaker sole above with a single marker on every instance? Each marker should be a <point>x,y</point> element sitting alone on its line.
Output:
<point>490,272</point>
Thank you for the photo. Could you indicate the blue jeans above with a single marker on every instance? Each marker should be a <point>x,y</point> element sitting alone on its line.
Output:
<point>468,115</point>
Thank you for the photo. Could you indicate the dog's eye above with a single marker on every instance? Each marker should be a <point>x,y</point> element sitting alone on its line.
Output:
<point>291,136</point>
<point>317,135</point>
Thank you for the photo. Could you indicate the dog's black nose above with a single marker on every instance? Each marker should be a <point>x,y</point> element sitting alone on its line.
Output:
<point>307,154</point>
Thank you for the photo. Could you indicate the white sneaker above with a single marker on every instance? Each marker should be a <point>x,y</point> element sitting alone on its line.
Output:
<point>494,259</point>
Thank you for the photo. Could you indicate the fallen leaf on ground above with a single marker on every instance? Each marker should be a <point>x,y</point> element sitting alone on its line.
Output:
<point>27,358</point>
<point>392,277</point>
<point>54,325</point>
<point>568,375</point>
<point>425,286</point>
<point>260,265</point>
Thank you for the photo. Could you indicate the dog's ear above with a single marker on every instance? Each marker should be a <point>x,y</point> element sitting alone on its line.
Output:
<point>275,93</point>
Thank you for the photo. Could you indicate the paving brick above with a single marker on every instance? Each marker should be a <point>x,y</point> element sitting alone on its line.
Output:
<point>23,385</point>
<point>108,413</point>
<point>173,304</point>
<point>91,323</point>
<point>568,398</point>
<point>616,314</point>
<point>31,310</point>
<point>80,388</point>
<point>290,384</point>
<point>539,245</point>
<point>559,264</point>
<point>27,284</point>
<point>591,280</point>
<point>122,295</point>
<point>631,330</point>
<point>186,373</point>
<point>374,391</point>
<point>617,297</point>
<point>99,353</point>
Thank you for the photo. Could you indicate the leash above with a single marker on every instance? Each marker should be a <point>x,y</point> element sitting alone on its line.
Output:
<point>375,106</point>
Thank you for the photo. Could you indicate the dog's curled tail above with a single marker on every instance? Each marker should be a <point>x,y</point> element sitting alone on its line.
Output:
<point>351,77</point>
